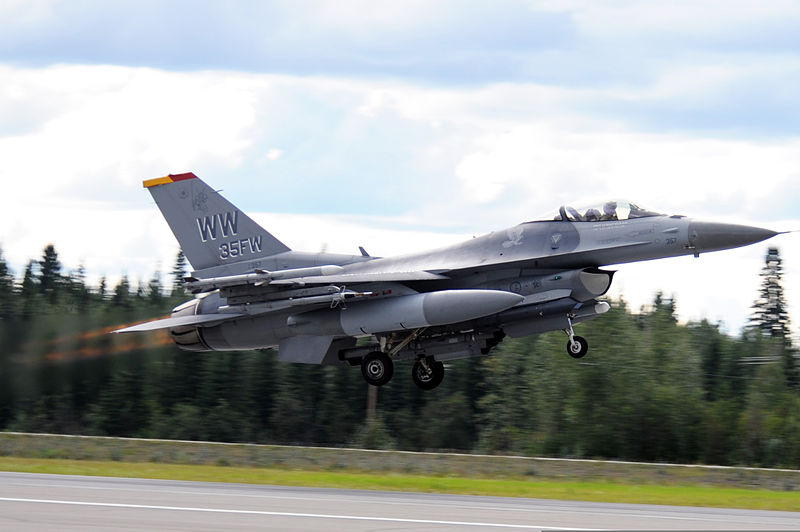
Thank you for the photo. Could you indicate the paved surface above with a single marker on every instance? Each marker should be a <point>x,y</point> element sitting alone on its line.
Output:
<point>64,503</point>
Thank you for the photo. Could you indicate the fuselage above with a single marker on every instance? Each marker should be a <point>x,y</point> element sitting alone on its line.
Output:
<point>554,265</point>
<point>457,301</point>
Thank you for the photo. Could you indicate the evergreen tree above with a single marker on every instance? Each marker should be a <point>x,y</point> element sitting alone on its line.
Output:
<point>154,293</point>
<point>6,290</point>
<point>29,291</point>
<point>770,314</point>
<point>179,273</point>
<point>50,279</point>
<point>78,291</point>
<point>102,289</point>
<point>122,293</point>
<point>141,290</point>
<point>260,388</point>
<point>122,407</point>
<point>771,317</point>
<point>707,341</point>
<point>507,412</point>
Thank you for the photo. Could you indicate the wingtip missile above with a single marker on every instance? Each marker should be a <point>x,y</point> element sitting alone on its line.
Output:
<point>259,277</point>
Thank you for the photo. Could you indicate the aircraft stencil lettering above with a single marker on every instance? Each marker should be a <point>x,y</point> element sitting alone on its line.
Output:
<point>460,301</point>
<point>237,248</point>
<point>208,225</point>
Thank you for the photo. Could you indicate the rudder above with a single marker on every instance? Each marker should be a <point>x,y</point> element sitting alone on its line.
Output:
<point>209,228</point>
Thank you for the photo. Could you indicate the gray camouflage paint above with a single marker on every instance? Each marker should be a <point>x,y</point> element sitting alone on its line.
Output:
<point>527,279</point>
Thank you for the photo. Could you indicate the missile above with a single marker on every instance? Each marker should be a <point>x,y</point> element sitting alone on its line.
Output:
<point>335,299</point>
<point>590,311</point>
<point>404,312</point>
<point>311,271</point>
<point>257,278</point>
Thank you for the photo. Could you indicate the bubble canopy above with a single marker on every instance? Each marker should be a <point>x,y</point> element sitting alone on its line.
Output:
<point>599,212</point>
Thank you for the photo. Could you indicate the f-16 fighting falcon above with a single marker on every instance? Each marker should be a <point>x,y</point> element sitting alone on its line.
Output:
<point>459,301</point>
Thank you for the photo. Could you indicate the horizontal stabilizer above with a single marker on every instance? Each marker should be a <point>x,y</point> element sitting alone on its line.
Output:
<point>180,321</point>
<point>350,278</point>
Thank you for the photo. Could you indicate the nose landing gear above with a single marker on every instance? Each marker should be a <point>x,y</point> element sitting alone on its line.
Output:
<point>577,346</point>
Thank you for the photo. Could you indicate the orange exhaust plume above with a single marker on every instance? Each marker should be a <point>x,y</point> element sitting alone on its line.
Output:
<point>100,332</point>
<point>61,348</point>
<point>159,338</point>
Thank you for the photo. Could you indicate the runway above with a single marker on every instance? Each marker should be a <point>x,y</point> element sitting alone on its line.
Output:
<point>35,502</point>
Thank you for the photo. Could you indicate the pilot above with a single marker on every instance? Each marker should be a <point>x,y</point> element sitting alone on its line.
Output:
<point>592,215</point>
<point>575,214</point>
<point>609,211</point>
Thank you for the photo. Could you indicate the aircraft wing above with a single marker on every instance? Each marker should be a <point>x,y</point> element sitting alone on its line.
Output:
<point>553,261</point>
<point>180,321</point>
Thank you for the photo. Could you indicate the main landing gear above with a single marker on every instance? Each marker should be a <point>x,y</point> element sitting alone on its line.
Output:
<point>377,368</point>
<point>577,346</point>
<point>427,373</point>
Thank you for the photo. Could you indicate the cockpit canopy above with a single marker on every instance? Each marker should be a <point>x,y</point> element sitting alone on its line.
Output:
<point>601,212</point>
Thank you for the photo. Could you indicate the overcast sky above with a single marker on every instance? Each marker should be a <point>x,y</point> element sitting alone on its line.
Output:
<point>403,126</point>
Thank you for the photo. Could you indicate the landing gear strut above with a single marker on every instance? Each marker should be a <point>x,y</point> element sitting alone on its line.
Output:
<point>427,373</point>
<point>377,367</point>
<point>577,346</point>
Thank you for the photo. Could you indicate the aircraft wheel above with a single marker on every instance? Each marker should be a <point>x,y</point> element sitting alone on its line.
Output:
<point>578,347</point>
<point>430,378</point>
<point>377,368</point>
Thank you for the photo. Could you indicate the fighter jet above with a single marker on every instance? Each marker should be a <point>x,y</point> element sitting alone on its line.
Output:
<point>252,291</point>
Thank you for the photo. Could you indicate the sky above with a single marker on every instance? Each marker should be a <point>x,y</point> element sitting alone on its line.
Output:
<point>403,126</point>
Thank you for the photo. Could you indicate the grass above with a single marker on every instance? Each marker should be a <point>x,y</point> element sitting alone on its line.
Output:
<point>597,491</point>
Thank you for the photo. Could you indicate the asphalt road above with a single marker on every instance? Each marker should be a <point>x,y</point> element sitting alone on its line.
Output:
<point>34,502</point>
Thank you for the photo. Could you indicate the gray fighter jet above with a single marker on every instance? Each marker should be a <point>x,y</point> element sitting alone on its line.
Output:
<point>459,301</point>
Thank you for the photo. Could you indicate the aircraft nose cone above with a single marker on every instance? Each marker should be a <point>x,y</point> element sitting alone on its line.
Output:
<point>712,236</point>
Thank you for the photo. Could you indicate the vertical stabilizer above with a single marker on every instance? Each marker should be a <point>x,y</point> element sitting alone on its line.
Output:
<point>209,228</point>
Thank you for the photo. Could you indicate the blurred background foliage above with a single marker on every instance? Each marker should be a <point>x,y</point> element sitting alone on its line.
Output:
<point>650,389</point>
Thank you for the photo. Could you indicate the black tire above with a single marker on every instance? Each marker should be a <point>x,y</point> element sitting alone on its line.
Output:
<point>428,380</point>
<point>377,368</point>
<point>579,348</point>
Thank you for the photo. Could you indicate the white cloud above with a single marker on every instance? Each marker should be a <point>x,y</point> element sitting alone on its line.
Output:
<point>706,19</point>
<point>716,176</point>
<point>119,122</point>
<point>273,154</point>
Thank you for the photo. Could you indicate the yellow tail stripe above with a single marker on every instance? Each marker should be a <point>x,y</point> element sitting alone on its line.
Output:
<point>157,181</point>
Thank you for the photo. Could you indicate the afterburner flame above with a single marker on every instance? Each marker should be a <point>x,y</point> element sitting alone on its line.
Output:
<point>63,348</point>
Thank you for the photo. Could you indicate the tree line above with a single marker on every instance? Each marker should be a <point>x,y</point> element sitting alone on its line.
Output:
<point>650,389</point>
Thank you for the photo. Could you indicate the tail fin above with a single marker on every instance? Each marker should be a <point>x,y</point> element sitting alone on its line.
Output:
<point>210,229</point>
